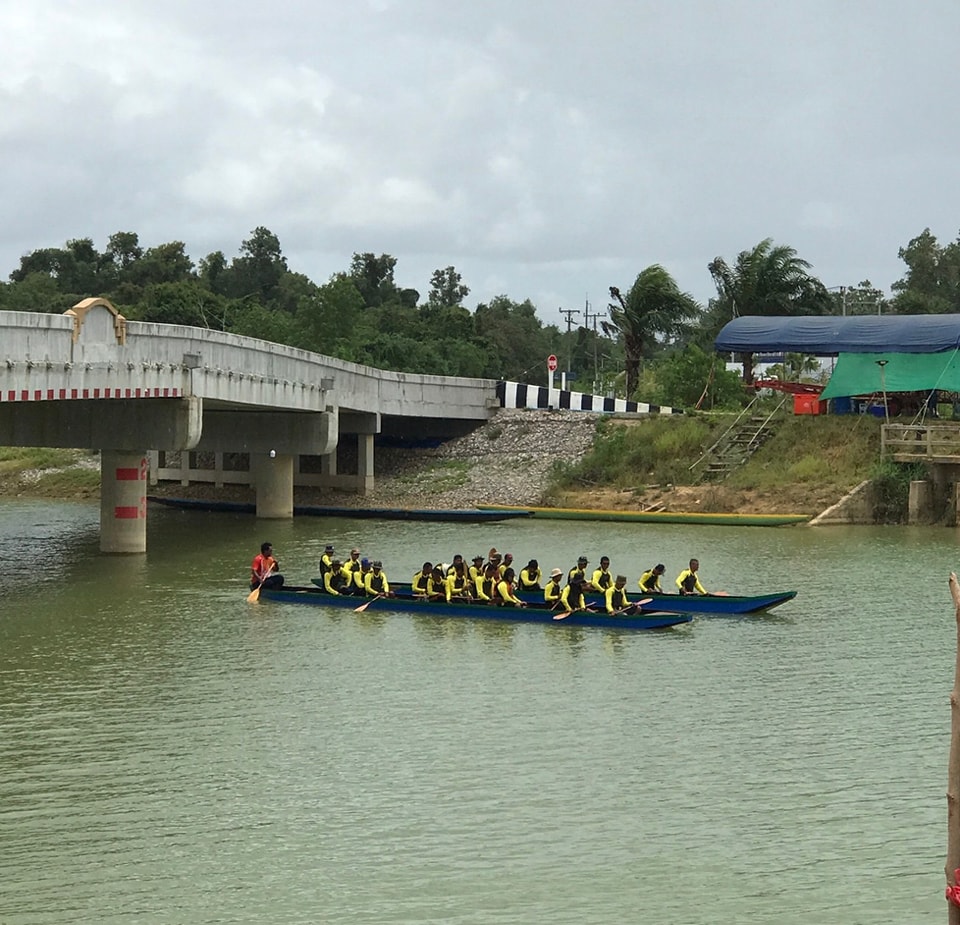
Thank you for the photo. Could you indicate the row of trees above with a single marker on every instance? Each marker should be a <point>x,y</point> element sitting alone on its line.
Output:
<point>656,346</point>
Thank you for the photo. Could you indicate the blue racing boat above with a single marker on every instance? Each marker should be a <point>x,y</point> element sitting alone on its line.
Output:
<point>714,605</point>
<point>703,604</point>
<point>532,613</point>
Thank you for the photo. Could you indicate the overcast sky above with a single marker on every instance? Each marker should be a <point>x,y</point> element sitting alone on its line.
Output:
<point>547,150</point>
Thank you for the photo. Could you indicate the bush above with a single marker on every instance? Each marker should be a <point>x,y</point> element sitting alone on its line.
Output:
<point>891,490</point>
<point>625,454</point>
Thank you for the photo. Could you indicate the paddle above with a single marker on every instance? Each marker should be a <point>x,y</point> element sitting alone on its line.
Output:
<point>363,607</point>
<point>640,603</point>
<point>255,593</point>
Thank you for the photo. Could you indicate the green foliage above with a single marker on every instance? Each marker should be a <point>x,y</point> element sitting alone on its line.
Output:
<point>660,450</point>
<point>360,315</point>
<point>691,377</point>
<point>932,280</point>
<point>373,277</point>
<point>653,307</point>
<point>513,338</point>
<point>19,458</point>
<point>832,452</point>
<point>828,453</point>
<point>767,280</point>
<point>891,489</point>
<point>182,303</point>
<point>447,288</point>
<point>251,319</point>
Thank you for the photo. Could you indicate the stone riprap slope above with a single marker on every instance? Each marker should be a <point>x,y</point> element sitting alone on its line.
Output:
<point>505,461</point>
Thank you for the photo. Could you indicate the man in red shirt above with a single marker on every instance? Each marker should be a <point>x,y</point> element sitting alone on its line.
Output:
<point>265,570</point>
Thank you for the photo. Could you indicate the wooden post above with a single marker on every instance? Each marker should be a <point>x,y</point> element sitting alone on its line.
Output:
<point>953,768</point>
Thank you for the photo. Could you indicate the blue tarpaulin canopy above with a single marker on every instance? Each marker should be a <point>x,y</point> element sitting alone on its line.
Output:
<point>826,335</point>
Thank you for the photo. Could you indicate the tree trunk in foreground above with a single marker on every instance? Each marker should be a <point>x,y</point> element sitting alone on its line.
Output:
<point>953,768</point>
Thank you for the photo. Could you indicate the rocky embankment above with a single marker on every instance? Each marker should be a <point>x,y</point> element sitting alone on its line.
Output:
<point>506,461</point>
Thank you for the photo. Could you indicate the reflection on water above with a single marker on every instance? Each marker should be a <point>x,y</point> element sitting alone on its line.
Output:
<point>171,752</point>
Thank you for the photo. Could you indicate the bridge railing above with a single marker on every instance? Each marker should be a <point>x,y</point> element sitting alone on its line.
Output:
<point>920,442</point>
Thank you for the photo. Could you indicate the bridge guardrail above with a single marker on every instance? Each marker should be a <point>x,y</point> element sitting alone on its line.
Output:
<point>920,442</point>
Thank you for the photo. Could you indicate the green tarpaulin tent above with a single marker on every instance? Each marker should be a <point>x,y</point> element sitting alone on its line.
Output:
<point>866,373</point>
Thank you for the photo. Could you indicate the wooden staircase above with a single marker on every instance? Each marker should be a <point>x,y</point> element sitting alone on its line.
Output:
<point>736,445</point>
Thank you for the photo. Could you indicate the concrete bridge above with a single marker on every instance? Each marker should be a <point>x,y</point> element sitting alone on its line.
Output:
<point>91,379</point>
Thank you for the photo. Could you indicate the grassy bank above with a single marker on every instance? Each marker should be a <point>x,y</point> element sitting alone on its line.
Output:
<point>809,463</point>
<point>44,472</point>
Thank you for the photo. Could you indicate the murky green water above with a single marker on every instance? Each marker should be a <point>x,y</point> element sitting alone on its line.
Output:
<point>169,753</point>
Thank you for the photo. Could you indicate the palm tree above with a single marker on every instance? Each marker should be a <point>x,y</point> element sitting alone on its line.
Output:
<point>653,306</point>
<point>767,280</point>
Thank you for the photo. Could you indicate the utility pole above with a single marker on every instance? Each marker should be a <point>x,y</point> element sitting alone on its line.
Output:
<point>587,315</point>
<point>569,312</point>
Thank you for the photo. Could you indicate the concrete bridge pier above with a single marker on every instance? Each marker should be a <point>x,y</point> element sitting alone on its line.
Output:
<point>273,479</point>
<point>920,502</point>
<point>123,501</point>
<point>365,463</point>
<point>365,426</point>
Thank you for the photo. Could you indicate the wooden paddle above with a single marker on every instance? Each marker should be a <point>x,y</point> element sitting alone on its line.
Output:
<point>255,593</point>
<point>363,607</point>
<point>640,603</point>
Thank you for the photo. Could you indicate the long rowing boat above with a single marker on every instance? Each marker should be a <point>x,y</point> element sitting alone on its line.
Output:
<point>532,613</point>
<point>725,605</point>
<point>443,515</point>
<point>654,517</point>
<point>710,604</point>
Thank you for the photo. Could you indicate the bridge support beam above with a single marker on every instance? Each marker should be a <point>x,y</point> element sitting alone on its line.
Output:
<point>123,501</point>
<point>165,423</point>
<point>273,479</point>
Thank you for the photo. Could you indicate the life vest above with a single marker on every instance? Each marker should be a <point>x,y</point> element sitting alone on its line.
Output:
<point>648,580</point>
<point>529,581</point>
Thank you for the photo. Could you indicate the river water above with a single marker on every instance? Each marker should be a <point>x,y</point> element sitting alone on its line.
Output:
<point>172,754</point>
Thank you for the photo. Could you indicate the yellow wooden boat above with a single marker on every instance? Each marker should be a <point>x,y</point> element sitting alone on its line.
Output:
<point>653,517</point>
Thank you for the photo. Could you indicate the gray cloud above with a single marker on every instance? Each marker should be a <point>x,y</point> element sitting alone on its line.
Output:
<point>547,150</point>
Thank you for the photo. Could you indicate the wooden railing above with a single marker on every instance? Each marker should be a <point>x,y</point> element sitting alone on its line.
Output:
<point>920,443</point>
